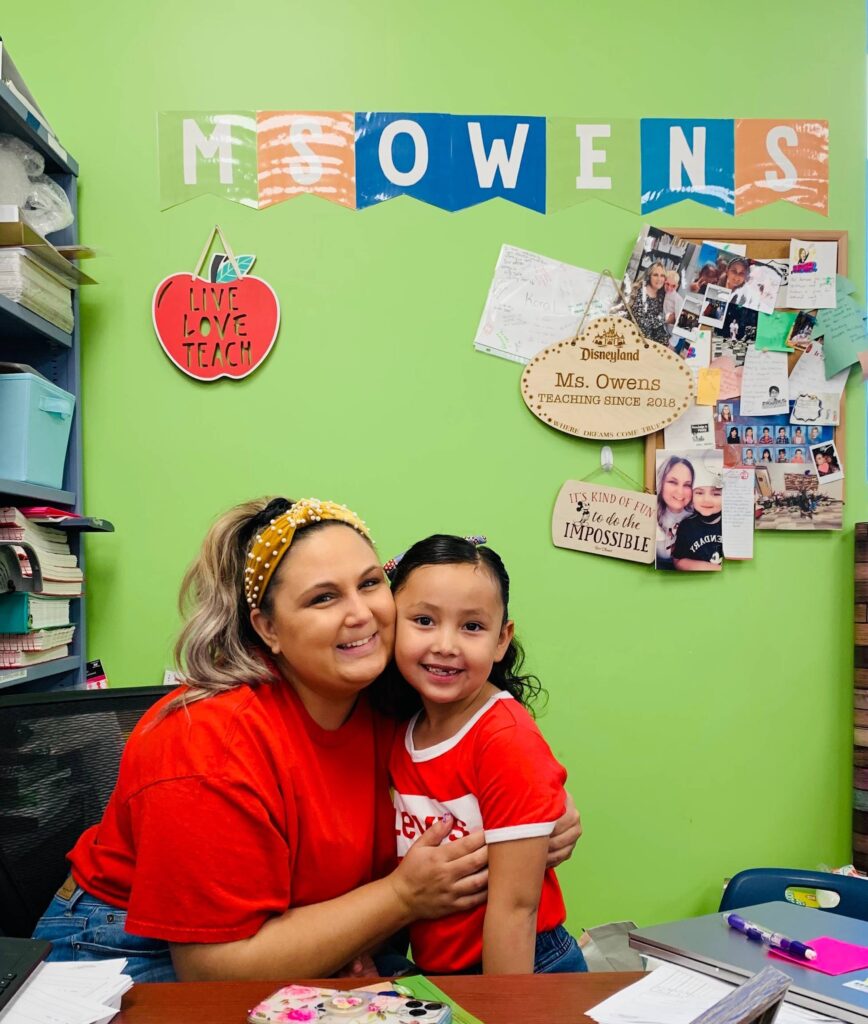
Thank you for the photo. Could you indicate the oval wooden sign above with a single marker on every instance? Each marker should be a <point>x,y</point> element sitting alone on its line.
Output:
<point>609,383</point>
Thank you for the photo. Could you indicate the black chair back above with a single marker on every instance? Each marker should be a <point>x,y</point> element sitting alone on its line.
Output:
<point>59,758</point>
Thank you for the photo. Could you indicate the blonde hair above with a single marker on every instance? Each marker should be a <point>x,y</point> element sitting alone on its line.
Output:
<point>217,648</point>
<point>672,276</point>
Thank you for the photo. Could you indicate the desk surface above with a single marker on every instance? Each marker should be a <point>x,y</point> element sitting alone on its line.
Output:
<point>542,999</point>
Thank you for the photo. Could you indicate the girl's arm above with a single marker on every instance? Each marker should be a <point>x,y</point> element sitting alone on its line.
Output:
<point>316,941</point>
<point>695,565</point>
<point>515,878</point>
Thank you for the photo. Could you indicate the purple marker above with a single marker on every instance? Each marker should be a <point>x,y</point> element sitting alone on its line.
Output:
<point>774,940</point>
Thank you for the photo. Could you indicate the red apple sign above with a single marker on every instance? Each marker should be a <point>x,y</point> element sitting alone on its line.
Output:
<point>215,329</point>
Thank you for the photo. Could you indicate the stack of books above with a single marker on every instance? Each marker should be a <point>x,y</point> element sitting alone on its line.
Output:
<point>36,627</point>
<point>33,629</point>
<point>26,279</point>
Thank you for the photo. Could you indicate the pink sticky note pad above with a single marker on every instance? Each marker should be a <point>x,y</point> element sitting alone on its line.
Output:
<point>833,956</point>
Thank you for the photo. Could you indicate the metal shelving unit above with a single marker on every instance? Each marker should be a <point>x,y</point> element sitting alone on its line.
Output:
<point>28,338</point>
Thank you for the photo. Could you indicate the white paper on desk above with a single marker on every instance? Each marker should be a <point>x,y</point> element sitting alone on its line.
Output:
<point>76,992</point>
<point>695,429</point>
<point>765,385</point>
<point>811,284</point>
<point>535,301</point>
<point>676,995</point>
<point>738,512</point>
<point>817,399</point>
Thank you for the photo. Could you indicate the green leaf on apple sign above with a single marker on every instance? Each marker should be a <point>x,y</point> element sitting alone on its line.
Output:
<point>226,272</point>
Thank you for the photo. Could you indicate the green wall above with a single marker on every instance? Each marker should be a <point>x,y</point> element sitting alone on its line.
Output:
<point>705,721</point>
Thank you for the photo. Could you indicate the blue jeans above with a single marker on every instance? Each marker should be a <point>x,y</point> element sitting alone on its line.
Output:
<point>557,952</point>
<point>81,927</point>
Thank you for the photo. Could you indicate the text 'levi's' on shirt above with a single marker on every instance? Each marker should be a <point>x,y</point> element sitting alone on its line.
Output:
<point>496,774</point>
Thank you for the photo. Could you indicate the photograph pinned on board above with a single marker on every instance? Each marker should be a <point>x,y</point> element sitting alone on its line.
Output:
<point>736,335</point>
<point>803,329</point>
<point>790,498</point>
<point>689,506</point>
<point>754,283</point>
<point>772,438</point>
<point>655,254</point>
<point>687,325</point>
<point>715,306</point>
<point>828,463</point>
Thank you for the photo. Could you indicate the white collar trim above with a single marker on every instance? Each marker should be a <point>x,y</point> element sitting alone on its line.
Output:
<point>429,753</point>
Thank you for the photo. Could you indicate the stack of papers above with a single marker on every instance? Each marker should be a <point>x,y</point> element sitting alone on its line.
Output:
<point>81,992</point>
<point>677,995</point>
<point>24,279</point>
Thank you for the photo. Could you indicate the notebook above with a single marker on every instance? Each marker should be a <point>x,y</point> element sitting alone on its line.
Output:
<point>18,959</point>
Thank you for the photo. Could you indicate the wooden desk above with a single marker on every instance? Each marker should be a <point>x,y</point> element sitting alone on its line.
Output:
<point>539,999</point>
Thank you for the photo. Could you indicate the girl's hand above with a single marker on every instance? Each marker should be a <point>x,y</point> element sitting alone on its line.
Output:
<point>434,880</point>
<point>567,832</point>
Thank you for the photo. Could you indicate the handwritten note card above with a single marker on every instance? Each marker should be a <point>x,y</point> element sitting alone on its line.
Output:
<point>738,512</point>
<point>772,331</point>
<point>764,387</point>
<point>843,329</point>
<point>535,301</point>
<point>730,376</point>
<point>811,283</point>
<point>817,400</point>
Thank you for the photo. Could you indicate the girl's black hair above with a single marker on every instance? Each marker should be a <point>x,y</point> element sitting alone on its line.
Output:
<point>395,697</point>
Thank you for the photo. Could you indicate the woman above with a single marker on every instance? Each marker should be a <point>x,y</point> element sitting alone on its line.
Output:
<point>647,303</point>
<point>674,494</point>
<point>250,833</point>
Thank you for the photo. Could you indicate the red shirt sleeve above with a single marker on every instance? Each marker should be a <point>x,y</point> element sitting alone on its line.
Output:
<point>521,785</point>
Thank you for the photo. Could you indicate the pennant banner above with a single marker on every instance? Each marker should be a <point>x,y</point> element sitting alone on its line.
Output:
<point>781,160</point>
<point>261,158</point>
<point>687,160</point>
<point>306,152</point>
<point>592,160</point>
<point>202,153</point>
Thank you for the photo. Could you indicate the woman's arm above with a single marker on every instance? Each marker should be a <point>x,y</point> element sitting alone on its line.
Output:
<point>317,940</point>
<point>515,878</point>
<point>695,565</point>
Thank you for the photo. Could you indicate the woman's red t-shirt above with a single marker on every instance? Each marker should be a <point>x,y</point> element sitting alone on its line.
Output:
<point>230,811</point>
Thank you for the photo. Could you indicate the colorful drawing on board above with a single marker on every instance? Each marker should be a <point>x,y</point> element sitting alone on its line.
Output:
<point>222,325</point>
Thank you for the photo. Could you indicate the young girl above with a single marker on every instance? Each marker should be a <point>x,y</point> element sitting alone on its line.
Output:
<point>472,753</point>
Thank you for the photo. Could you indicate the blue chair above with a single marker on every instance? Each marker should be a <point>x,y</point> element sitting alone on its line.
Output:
<point>764,885</point>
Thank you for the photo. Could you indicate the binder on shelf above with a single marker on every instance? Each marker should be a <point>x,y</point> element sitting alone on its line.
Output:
<point>21,613</point>
<point>37,639</point>
<point>21,659</point>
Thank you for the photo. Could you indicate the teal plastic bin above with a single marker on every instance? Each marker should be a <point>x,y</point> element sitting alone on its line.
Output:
<point>35,420</point>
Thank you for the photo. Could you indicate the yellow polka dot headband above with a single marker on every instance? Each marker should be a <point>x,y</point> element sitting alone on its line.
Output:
<point>271,543</point>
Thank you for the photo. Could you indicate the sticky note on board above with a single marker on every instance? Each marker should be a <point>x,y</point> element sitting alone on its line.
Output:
<point>730,377</point>
<point>773,329</point>
<point>708,385</point>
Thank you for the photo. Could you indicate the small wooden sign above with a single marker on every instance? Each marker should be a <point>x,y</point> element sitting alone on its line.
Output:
<point>609,383</point>
<point>605,521</point>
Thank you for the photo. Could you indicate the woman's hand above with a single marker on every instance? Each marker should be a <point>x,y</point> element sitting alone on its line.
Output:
<point>567,832</point>
<point>434,880</point>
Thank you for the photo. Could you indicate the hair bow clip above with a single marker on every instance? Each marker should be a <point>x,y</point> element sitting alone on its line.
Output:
<point>476,539</point>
